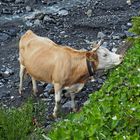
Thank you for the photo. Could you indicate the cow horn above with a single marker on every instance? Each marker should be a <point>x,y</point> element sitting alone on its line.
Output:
<point>96,46</point>
<point>100,42</point>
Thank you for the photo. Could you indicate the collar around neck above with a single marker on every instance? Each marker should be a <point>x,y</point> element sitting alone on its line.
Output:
<point>91,67</point>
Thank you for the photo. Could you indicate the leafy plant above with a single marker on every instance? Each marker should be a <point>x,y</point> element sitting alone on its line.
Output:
<point>136,29</point>
<point>16,124</point>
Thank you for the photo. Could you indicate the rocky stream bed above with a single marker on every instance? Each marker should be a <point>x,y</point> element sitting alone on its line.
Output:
<point>76,23</point>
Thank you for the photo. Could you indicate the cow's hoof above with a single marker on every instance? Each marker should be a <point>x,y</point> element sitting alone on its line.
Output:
<point>35,92</point>
<point>52,117</point>
<point>20,92</point>
<point>74,110</point>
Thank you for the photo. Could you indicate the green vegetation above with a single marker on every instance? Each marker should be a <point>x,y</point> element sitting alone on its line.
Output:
<point>136,29</point>
<point>23,123</point>
<point>113,113</point>
<point>16,124</point>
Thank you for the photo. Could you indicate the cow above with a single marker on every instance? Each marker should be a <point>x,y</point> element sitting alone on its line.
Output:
<point>62,66</point>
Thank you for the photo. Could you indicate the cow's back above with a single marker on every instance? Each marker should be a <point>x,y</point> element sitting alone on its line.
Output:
<point>46,61</point>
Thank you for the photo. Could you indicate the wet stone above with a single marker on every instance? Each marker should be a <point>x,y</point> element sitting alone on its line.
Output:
<point>114,50</point>
<point>8,0</point>
<point>28,9</point>
<point>3,37</point>
<point>37,22</point>
<point>48,19</point>
<point>6,11</point>
<point>63,12</point>
<point>12,97</point>
<point>19,1</point>
<point>5,94</point>
<point>116,37</point>
<point>67,104</point>
<point>1,84</point>
<point>101,35</point>
<point>6,73</point>
<point>105,44</point>
<point>39,16</point>
<point>129,34</point>
<point>48,88</point>
<point>29,23</point>
<point>129,24</point>
<point>89,13</point>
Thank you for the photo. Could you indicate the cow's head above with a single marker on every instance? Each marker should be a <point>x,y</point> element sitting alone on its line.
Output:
<point>103,58</point>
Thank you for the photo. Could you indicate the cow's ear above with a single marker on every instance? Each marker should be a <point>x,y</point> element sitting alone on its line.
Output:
<point>91,56</point>
<point>88,55</point>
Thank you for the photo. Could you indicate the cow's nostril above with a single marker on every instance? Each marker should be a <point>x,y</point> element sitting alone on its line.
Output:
<point>121,57</point>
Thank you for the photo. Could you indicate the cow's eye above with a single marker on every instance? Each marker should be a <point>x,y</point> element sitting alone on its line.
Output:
<point>105,55</point>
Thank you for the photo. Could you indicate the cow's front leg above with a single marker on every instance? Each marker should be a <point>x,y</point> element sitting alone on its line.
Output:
<point>34,86</point>
<point>73,105</point>
<point>58,91</point>
<point>21,74</point>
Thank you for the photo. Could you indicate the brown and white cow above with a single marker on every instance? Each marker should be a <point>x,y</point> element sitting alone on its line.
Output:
<point>62,66</point>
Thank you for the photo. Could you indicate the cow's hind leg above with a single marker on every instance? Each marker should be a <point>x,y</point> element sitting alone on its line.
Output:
<point>34,86</point>
<point>21,75</point>
<point>58,91</point>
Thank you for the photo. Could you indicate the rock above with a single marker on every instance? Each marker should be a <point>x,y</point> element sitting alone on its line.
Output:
<point>3,37</point>
<point>28,23</point>
<point>101,35</point>
<point>39,16</point>
<point>6,11</point>
<point>122,35</point>
<point>12,31</point>
<point>114,50</point>
<point>100,81</point>
<point>28,9</point>
<point>10,71</point>
<point>139,13</point>
<point>1,84</point>
<point>48,88</point>
<point>129,34</point>
<point>89,13</point>
<point>116,37</point>
<point>19,1</point>
<point>44,1</point>
<point>123,27</point>
<point>63,12</point>
<point>46,99</point>
<point>6,73</point>
<point>5,94</point>
<point>129,24</point>
<point>48,19</point>
<point>12,97</point>
<point>30,2</point>
<point>37,22</point>
<point>8,0</point>
<point>67,105</point>
<point>46,94</point>
<point>105,44</point>
<point>129,2</point>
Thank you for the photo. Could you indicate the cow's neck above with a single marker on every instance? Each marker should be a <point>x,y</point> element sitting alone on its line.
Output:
<point>81,70</point>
